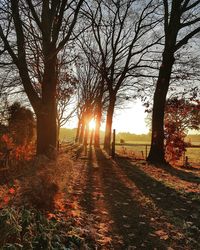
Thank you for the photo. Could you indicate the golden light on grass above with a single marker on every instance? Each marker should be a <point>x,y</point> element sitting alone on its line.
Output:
<point>92,124</point>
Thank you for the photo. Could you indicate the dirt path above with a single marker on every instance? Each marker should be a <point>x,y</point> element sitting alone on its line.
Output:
<point>132,210</point>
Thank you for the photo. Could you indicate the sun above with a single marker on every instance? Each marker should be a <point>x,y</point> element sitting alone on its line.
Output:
<point>92,124</point>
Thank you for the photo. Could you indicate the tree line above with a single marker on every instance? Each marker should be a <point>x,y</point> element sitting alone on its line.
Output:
<point>103,53</point>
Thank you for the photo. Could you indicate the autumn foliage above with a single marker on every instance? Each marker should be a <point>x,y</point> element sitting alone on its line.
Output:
<point>180,116</point>
<point>17,143</point>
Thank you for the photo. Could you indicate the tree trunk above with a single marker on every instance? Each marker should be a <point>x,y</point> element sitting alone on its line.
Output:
<point>85,143</point>
<point>109,118</point>
<point>78,130</point>
<point>47,114</point>
<point>157,151</point>
<point>45,138</point>
<point>82,132</point>
<point>58,134</point>
<point>86,134</point>
<point>98,125</point>
<point>91,137</point>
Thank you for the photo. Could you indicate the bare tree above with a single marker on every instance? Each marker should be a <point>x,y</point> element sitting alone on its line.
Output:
<point>66,89</point>
<point>52,25</point>
<point>181,23</point>
<point>65,105</point>
<point>88,93</point>
<point>123,34</point>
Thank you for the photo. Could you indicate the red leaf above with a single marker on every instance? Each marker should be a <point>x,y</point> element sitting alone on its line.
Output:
<point>11,190</point>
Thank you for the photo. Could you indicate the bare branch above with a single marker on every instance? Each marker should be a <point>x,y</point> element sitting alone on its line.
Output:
<point>186,39</point>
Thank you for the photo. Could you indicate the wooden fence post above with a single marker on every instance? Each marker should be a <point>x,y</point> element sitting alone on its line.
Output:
<point>186,162</point>
<point>58,145</point>
<point>183,158</point>
<point>146,152</point>
<point>113,144</point>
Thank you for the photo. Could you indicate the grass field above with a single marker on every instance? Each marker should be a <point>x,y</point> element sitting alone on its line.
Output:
<point>193,155</point>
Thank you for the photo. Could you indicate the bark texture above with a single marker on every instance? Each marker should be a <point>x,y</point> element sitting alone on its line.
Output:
<point>109,119</point>
<point>98,123</point>
<point>78,130</point>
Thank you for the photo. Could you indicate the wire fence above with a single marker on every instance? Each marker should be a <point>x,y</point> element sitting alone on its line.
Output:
<point>137,151</point>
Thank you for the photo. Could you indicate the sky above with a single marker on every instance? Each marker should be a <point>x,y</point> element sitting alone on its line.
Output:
<point>130,119</point>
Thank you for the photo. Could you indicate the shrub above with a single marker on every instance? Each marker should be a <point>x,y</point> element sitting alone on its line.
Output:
<point>15,154</point>
<point>21,124</point>
<point>180,115</point>
<point>16,139</point>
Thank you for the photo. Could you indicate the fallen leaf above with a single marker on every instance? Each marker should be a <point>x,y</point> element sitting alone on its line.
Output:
<point>103,227</point>
<point>105,240</point>
<point>126,226</point>
<point>75,213</point>
<point>162,234</point>
<point>164,237</point>
<point>104,212</point>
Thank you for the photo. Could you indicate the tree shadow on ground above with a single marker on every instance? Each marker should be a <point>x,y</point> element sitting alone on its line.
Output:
<point>86,200</point>
<point>186,176</point>
<point>180,208</point>
<point>127,214</point>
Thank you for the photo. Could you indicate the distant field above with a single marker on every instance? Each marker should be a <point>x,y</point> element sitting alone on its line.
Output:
<point>193,155</point>
<point>196,143</point>
<point>139,151</point>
